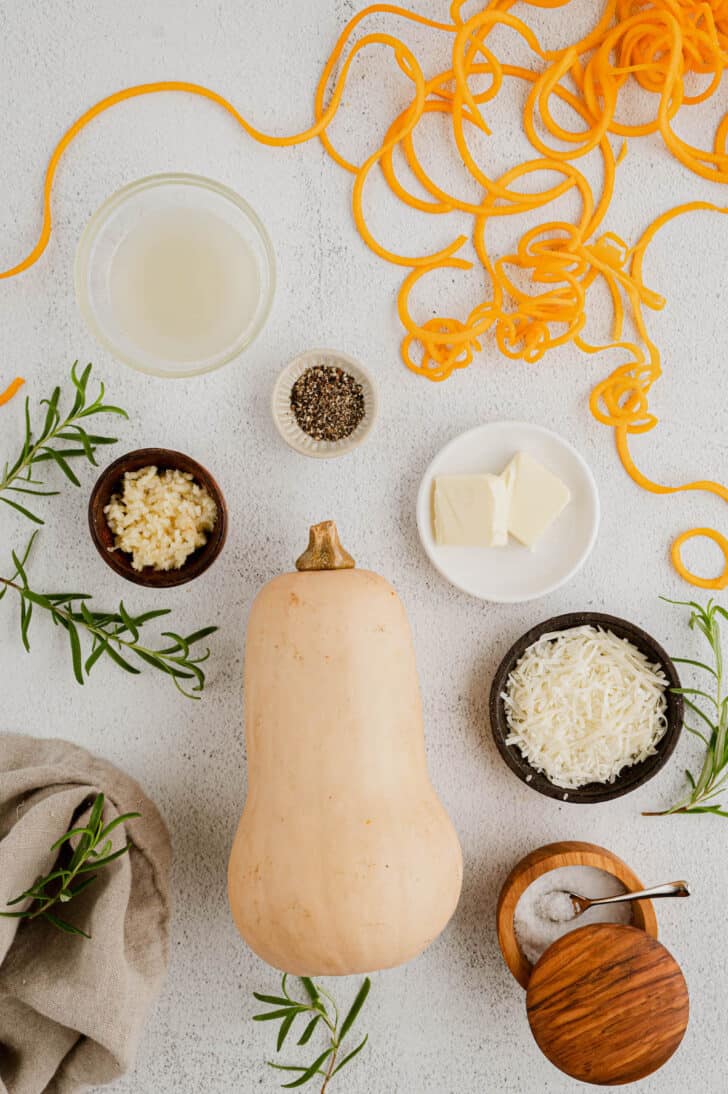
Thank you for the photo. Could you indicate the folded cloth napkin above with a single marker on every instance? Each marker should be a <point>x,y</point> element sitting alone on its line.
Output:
<point>72,1009</point>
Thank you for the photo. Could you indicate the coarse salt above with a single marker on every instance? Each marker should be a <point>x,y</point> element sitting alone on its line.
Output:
<point>534,928</point>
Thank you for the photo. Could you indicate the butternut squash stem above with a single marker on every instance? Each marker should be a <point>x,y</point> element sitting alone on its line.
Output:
<point>324,551</point>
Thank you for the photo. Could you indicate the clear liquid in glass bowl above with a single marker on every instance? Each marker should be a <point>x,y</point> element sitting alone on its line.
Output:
<point>175,275</point>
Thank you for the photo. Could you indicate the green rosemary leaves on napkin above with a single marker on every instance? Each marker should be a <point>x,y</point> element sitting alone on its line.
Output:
<point>77,868</point>
<point>711,708</point>
<point>320,1010</point>
<point>62,439</point>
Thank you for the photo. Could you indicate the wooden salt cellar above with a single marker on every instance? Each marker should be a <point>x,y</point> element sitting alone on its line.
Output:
<point>607,1004</point>
<point>551,857</point>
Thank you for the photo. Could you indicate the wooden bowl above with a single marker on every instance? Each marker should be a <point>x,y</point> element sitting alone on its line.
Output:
<point>631,777</point>
<point>110,482</point>
<point>550,857</point>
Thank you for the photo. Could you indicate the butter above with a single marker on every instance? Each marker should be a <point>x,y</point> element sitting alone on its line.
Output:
<point>536,495</point>
<point>471,511</point>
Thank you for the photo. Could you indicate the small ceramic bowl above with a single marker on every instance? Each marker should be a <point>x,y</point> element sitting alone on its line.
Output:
<point>631,777</point>
<point>110,482</point>
<point>285,419</point>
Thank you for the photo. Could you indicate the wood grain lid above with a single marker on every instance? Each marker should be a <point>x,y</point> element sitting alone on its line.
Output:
<point>607,1004</point>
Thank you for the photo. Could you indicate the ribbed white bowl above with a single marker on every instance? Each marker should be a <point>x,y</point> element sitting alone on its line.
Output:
<point>285,419</point>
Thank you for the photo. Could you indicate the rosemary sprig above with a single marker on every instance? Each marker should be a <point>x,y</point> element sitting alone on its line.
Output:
<point>74,871</point>
<point>320,1009</point>
<point>713,778</point>
<point>61,440</point>
<point>115,635</point>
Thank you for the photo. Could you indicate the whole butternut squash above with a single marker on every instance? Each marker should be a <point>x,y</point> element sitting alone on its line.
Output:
<point>344,860</point>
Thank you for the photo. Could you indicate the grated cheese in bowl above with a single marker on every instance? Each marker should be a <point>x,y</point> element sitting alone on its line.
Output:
<point>582,704</point>
<point>160,518</point>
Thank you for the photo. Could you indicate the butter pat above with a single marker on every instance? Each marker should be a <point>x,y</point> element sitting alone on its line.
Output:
<point>536,495</point>
<point>471,511</point>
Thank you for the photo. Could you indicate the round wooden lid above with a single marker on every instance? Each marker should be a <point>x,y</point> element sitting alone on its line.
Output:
<point>607,1004</point>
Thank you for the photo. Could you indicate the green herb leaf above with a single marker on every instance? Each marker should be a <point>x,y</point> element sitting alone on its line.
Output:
<point>116,823</point>
<point>350,1057</point>
<point>355,1008</point>
<point>98,863</point>
<point>21,509</point>
<point>308,1032</point>
<point>310,1071</point>
<point>276,1000</point>
<point>128,622</point>
<point>273,1015</point>
<point>69,836</point>
<point>287,1067</point>
<point>78,889</point>
<point>285,1029</point>
<point>64,925</point>
<point>695,664</point>
<point>310,988</point>
<point>694,691</point>
<point>76,655</point>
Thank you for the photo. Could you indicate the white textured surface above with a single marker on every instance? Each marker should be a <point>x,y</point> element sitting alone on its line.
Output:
<point>454,1021</point>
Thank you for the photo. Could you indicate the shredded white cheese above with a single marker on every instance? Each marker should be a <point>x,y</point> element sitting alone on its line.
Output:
<point>160,518</point>
<point>582,704</point>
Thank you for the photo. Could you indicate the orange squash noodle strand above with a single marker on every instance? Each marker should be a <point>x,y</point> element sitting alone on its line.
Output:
<point>657,488</point>
<point>447,343</point>
<point>408,63</point>
<point>719,582</point>
<point>11,391</point>
<point>204,92</point>
<point>325,79</point>
<point>518,202</point>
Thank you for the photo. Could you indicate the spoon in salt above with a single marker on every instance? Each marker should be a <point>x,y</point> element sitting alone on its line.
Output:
<point>560,906</point>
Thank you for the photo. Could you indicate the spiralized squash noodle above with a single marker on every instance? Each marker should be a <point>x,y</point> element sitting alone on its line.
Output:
<point>11,391</point>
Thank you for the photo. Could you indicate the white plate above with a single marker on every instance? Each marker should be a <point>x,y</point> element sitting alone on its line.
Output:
<point>512,574</point>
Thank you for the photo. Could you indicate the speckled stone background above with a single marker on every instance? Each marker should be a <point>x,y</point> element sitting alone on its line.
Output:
<point>452,1022</point>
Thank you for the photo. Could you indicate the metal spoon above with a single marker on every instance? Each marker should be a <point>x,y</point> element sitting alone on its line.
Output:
<point>581,904</point>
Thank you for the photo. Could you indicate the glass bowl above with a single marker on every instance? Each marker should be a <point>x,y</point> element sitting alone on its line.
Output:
<point>110,227</point>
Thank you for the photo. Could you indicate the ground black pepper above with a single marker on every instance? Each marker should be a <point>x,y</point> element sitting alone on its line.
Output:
<point>327,402</point>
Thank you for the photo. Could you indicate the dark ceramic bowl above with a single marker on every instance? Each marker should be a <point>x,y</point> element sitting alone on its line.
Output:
<point>110,482</point>
<point>631,777</point>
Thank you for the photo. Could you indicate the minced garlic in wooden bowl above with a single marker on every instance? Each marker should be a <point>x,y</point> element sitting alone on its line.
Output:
<point>160,518</point>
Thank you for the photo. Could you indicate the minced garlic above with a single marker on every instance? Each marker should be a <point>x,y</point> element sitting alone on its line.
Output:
<point>160,518</point>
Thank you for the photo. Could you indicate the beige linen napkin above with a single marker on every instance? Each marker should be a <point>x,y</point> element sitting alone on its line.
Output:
<point>72,1009</point>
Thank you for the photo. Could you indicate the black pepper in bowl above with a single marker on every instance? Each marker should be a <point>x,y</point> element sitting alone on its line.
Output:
<point>327,402</point>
